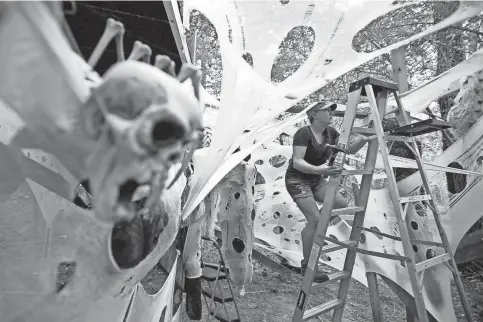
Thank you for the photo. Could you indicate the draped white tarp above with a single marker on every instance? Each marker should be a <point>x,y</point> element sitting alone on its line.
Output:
<point>249,101</point>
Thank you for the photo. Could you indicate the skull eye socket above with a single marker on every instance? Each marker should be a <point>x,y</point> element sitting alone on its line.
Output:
<point>165,131</point>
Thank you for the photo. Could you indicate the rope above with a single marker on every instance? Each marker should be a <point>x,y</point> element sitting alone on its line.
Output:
<point>165,51</point>
<point>124,13</point>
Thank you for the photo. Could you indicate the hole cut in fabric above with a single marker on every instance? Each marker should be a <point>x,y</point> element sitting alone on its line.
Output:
<point>456,181</point>
<point>277,161</point>
<point>378,230</point>
<point>414,225</point>
<point>238,245</point>
<point>293,51</point>
<point>277,230</point>
<point>163,314</point>
<point>400,24</point>
<point>206,41</point>
<point>65,272</point>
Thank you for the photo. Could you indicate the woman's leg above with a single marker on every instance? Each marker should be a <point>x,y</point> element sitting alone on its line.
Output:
<point>302,194</point>
<point>339,202</point>
<point>309,209</point>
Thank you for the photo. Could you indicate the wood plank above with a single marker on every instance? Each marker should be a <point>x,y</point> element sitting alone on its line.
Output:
<point>270,263</point>
<point>375,232</point>
<point>394,194</point>
<point>410,316</point>
<point>374,296</point>
<point>399,70</point>
<point>173,14</point>
<point>432,262</point>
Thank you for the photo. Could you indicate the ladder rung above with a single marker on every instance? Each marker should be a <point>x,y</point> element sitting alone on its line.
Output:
<point>420,128</point>
<point>359,115</point>
<point>337,276</point>
<point>318,310</point>
<point>363,130</point>
<point>377,85</point>
<point>432,262</point>
<point>341,245</point>
<point>218,312</point>
<point>209,274</point>
<point>347,210</point>
<point>383,255</point>
<point>356,172</point>
<point>346,217</point>
<point>220,296</point>
<point>426,242</point>
<point>414,198</point>
<point>375,232</point>
<point>398,138</point>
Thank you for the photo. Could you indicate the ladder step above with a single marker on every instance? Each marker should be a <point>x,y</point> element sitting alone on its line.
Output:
<point>337,113</point>
<point>363,130</point>
<point>318,310</point>
<point>432,262</point>
<point>420,128</point>
<point>344,211</point>
<point>334,277</point>
<point>213,265</point>
<point>336,247</point>
<point>356,172</point>
<point>414,198</point>
<point>220,315</point>
<point>209,274</point>
<point>220,296</point>
<point>377,85</point>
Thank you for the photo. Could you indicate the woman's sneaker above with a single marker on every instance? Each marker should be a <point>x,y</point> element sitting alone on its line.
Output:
<point>319,276</point>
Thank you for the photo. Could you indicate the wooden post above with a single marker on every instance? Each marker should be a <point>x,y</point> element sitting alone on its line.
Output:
<point>374,295</point>
<point>399,70</point>
<point>174,18</point>
<point>400,76</point>
<point>409,316</point>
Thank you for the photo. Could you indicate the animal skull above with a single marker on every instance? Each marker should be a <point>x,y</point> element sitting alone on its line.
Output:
<point>142,122</point>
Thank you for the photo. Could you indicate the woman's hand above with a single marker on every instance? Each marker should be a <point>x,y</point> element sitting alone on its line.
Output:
<point>328,170</point>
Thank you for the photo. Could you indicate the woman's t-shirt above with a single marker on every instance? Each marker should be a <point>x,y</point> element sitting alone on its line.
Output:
<point>316,154</point>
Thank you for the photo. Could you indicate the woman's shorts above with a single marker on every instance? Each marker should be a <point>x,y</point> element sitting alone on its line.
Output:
<point>301,187</point>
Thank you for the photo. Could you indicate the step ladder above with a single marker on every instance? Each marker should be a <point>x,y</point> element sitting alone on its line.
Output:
<point>220,302</point>
<point>377,93</point>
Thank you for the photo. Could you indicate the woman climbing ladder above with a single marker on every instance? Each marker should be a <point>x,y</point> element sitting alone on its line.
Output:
<point>304,178</point>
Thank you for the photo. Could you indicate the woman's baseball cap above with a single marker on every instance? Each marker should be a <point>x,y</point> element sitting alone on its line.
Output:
<point>320,106</point>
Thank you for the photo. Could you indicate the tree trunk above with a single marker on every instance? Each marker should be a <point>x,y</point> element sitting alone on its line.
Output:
<point>447,56</point>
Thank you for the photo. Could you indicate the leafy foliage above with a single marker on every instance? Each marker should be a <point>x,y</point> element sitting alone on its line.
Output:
<point>293,52</point>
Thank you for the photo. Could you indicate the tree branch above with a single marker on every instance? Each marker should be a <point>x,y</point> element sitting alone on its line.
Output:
<point>294,49</point>
<point>468,30</point>
<point>375,44</point>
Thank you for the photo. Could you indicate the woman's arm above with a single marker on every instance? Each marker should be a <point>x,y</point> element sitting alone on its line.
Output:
<point>300,164</point>
<point>355,146</point>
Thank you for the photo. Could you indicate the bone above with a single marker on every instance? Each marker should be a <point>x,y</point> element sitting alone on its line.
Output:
<point>165,63</point>
<point>139,51</point>
<point>190,71</point>
<point>147,58</point>
<point>113,28</point>
<point>120,46</point>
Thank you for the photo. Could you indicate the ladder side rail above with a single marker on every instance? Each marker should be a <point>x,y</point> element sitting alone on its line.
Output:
<point>325,213</point>
<point>437,219</point>
<point>349,116</point>
<point>374,296</point>
<point>364,192</point>
<point>394,194</point>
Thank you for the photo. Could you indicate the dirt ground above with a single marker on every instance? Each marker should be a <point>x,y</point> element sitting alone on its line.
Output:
<point>271,297</point>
